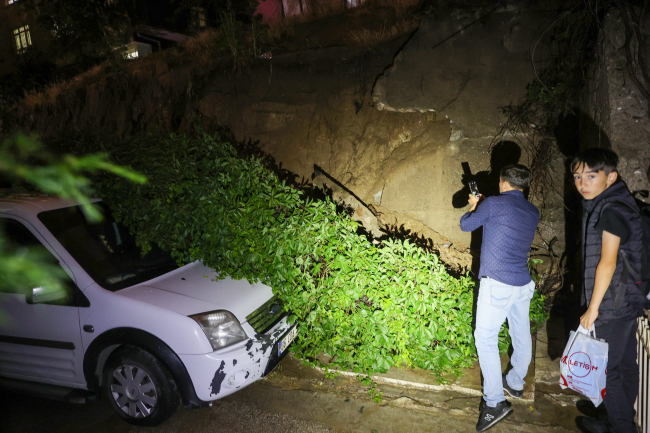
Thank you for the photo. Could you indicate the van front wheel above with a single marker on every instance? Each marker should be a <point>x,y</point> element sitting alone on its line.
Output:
<point>139,388</point>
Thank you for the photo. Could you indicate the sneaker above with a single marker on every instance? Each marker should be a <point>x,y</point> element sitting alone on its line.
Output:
<point>511,392</point>
<point>594,425</point>
<point>491,415</point>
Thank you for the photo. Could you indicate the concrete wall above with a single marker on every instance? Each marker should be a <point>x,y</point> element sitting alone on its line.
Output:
<point>462,64</point>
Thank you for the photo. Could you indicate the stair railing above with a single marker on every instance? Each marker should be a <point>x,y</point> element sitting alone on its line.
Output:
<point>642,405</point>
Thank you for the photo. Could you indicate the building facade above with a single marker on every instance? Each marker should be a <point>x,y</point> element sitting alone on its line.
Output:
<point>19,33</point>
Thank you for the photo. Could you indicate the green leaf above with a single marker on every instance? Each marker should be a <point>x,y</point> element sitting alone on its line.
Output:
<point>373,306</point>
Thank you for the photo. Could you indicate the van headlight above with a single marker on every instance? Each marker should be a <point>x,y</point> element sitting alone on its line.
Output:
<point>221,327</point>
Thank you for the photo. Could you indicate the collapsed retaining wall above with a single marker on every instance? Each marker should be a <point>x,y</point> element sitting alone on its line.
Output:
<point>310,110</point>
<point>313,112</point>
<point>464,64</point>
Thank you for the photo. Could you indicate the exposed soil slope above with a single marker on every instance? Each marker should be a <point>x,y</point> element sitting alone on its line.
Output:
<point>312,111</point>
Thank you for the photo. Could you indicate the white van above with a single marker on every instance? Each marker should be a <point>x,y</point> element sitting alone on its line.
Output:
<point>145,332</point>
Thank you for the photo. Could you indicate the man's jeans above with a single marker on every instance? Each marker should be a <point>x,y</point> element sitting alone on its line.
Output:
<point>496,302</point>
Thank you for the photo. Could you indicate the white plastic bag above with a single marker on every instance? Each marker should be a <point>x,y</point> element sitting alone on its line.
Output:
<point>583,366</point>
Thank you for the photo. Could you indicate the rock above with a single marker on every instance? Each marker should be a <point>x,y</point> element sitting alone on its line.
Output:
<point>455,135</point>
<point>410,403</point>
<point>432,71</point>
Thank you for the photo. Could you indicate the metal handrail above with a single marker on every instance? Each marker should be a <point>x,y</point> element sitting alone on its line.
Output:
<point>642,404</point>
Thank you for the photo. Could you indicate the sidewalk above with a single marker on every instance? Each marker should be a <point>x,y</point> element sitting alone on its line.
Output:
<point>545,406</point>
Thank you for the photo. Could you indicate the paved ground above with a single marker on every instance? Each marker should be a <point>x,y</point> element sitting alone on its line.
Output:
<point>294,399</point>
<point>260,408</point>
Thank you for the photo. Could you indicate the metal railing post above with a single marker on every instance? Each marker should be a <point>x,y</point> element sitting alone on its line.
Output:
<point>643,359</point>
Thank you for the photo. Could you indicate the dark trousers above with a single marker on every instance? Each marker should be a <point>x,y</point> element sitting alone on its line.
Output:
<point>622,373</point>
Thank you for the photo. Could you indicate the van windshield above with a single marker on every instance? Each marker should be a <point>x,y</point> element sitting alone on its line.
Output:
<point>106,250</point>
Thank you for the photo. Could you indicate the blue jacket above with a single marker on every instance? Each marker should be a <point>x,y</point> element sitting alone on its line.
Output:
<point>509,223</point>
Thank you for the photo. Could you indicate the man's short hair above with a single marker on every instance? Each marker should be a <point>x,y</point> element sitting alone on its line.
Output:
<point>597,158</point>
<point>517,175</point>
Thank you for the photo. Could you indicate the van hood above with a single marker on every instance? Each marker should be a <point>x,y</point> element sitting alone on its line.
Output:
<point>192,289</point>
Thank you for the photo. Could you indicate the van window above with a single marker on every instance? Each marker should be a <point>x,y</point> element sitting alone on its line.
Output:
<point>106,250</point>
<point>21,241</point>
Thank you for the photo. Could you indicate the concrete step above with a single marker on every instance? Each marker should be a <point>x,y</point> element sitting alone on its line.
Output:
<point>439,404</point>
<point>468,383</point>
<point>542,380</point>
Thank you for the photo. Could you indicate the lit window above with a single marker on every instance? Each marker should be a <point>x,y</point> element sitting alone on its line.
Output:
<point>23,38</point>
<point>199,17</point>
<point>9,2</point>
<point>131,52</point>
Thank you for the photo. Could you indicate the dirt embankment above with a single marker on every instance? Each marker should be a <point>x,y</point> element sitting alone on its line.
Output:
<point>312,110</point>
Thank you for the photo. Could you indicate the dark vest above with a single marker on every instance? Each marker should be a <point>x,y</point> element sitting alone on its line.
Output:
<point>592,243</point>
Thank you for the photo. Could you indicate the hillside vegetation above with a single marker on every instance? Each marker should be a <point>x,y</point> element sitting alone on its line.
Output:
<point>368,304</point>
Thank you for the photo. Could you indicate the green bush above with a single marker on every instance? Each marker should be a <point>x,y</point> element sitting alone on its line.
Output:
<point>368,306</point>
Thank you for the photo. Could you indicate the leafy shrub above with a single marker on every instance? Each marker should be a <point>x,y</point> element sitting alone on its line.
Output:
<point>368,306</point>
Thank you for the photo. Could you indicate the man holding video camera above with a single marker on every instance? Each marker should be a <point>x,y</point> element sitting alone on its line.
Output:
<point>509,223</point>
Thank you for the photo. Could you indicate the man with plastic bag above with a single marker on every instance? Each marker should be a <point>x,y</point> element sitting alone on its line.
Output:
<point>611,235</point>
<point>509,222</point>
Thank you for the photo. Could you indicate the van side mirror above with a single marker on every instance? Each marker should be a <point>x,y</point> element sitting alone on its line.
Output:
<point>42,295</point>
